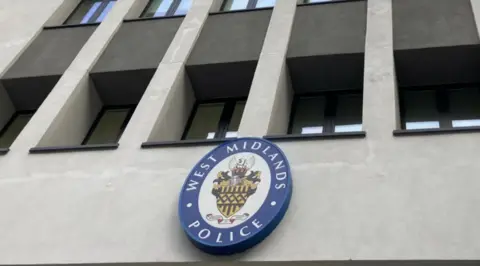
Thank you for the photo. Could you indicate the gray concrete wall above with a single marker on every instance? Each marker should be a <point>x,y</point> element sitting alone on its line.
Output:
<point>336,28</point>
<point>433,23</point>
<point>138,45</point>
<point>379,198</point>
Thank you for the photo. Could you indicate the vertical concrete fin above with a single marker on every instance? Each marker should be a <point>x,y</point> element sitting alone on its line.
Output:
<point>270,86</point>
<point>57,113</point>
<point>165,106</point>
<point>380,101</point>
<point>476,13</point>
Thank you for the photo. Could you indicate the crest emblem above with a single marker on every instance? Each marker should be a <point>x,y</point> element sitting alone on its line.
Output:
<point>233,188</point>
<point>235,196</point>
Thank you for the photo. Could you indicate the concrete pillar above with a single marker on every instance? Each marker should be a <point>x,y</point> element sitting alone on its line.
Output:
<point>476,13</point>
<point>164,108</point>
<point>59,110</point>
<point>380,101</point>
<point>268,106</point>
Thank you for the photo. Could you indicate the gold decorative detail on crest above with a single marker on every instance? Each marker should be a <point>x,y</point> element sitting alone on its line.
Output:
<point>233,188</point>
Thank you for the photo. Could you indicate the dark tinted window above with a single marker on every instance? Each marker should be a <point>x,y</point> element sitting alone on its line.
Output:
<point>246,4</point>
<point>215,120</point>
<point>108,126</point>
<point>439,107</point>
<point>326,113</point>
<point>90,11</point>
<point>163,8</point>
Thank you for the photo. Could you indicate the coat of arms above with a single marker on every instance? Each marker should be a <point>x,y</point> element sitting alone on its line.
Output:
<point>233,188</point>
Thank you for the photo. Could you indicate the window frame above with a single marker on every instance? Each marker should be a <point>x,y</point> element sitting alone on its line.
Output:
<point>250,5</point>
<point>100,114</point>
<point>12,119</point>
<point>94,17</point>
<point>442,103</point>
<point>225,116</point>
<point>330,111</point>
<point>170,12</point>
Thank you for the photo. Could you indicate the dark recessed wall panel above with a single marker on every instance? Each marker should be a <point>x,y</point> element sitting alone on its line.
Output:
<point>227,80</point>
<point>438,66</point>
<point>51,52</point>
<point>231,37</point>
<point>122,87</point>
<point>138,45</point>
<point>328,72</point>
<point>335,28</point>
<point>433,23</point>
<point>29,93</point>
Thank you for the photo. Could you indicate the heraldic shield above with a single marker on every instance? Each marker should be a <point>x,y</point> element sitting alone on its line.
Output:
<point>233,188</point>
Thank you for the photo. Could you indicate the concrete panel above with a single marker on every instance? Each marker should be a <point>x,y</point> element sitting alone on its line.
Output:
<point>50,53</point>
<point>334,28</point>
<point>433,23</point>
<point>138,45</point>
<point>223,37</point>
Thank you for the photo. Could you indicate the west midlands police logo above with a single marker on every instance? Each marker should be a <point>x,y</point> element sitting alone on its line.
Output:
<point>235,196</point>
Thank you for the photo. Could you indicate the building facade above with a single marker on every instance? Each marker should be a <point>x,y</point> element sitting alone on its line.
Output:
<point>106,106</point>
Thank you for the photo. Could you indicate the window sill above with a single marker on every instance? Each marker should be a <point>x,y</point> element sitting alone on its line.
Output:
<point>241,10</point>
<point>329,2</point>
<point>434,131</point>
<point>71,26</point>
<point>300,137</point>
<point>153,18</point>
<point>4,151</point>
<point>96,147</point>
<point>183,143</point>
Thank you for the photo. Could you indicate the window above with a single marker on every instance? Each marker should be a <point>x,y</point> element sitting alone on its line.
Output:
<point>109,125</point>
<point>165,8</point>
<point>317,1</point>
<point>229,5</point>
<point>91,11</point>
<point>215,120</point>
<point>326,113</point>
<point>432,108</point>
<point>13,128</point>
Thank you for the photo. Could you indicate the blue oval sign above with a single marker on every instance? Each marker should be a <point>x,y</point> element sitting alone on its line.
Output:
<point>235,196</point>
